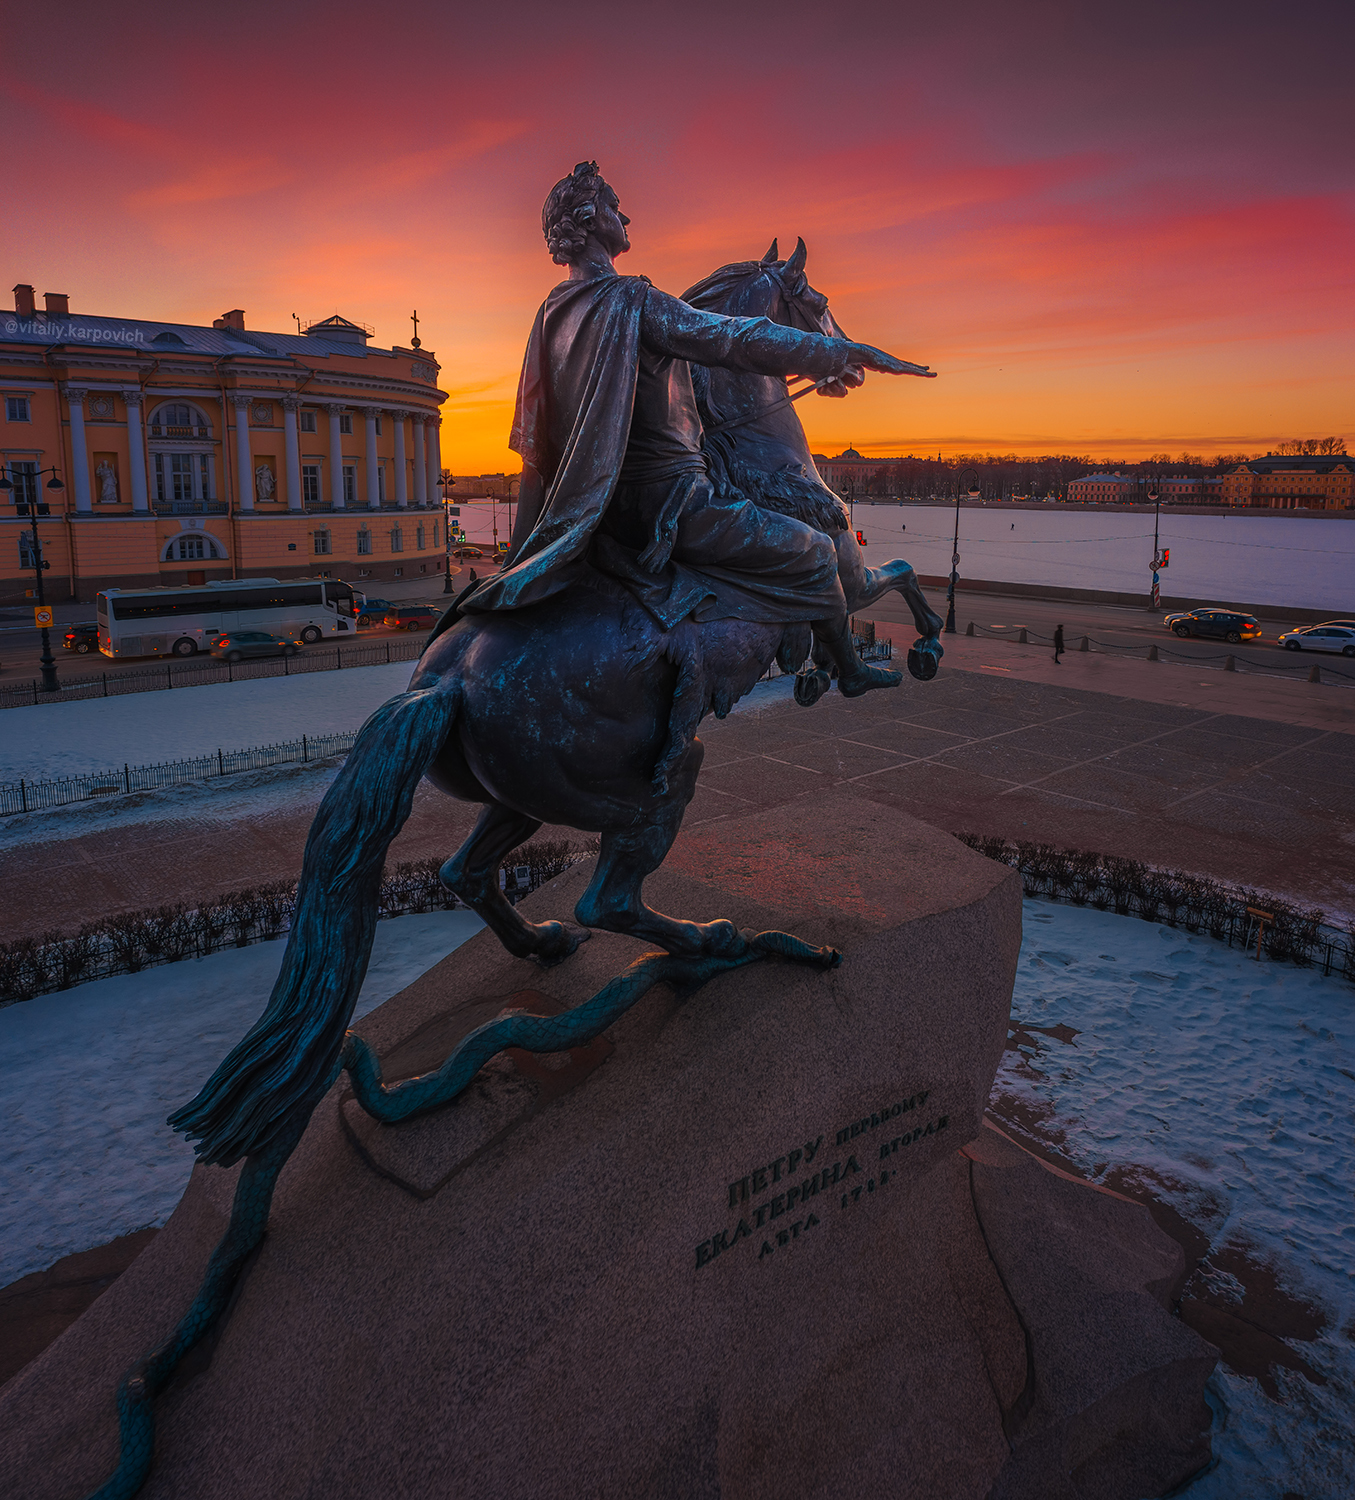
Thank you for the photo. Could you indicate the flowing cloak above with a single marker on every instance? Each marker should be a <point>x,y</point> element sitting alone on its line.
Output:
<point>572,423</point>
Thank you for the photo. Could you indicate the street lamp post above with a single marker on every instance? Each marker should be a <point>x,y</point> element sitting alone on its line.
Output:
<point>955,547</point>
<point>446,484</point>
<point>46,661</point>
<point>1155,495</point>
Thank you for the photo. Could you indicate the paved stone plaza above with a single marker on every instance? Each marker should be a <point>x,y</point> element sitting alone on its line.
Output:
<point>1203,785</point>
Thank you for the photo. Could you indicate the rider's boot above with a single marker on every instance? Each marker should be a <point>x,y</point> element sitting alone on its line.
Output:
<point>854,676</point>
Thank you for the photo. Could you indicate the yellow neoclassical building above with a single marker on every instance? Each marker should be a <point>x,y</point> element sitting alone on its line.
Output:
<point>188,453</point>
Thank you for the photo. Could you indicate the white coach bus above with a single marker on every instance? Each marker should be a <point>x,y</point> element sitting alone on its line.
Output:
<point>181,622</point>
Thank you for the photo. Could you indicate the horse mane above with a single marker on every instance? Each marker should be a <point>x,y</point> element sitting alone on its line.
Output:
<point>725,289</point>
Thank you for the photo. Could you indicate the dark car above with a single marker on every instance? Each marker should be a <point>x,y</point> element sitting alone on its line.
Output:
<point>412,617</point>
<point>82,638</point>
<point>467,549</point>
<point>239,644</point>
<point>373,611</point>
<point>1223,624</point>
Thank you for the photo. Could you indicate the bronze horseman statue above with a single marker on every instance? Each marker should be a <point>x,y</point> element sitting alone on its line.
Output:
<point>673,537</point>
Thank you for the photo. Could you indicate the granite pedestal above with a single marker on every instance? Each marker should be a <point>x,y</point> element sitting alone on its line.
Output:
<point>753,1243</point>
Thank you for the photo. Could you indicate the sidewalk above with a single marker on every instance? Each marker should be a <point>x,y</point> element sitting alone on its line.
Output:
<point>1284,700</point>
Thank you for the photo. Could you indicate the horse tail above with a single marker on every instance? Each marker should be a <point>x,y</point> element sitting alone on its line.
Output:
<point>275,1076</point>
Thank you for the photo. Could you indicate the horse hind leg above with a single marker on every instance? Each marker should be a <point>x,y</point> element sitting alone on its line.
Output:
<point>613,900</point>
<point>473,873</point>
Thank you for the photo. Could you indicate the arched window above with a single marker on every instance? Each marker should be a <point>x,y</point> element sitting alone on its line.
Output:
<point>191,546</point>
<point>177,419</point>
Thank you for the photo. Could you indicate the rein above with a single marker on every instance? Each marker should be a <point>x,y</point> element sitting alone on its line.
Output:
<point>771,406</point>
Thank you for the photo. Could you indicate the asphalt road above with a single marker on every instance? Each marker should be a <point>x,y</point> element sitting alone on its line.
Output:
<point>1114,626</point>
<point>1108,625</point>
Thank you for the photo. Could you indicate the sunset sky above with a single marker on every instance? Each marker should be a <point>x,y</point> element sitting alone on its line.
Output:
<point>1114,230</point>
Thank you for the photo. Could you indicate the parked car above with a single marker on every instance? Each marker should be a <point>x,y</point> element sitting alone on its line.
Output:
<point>1228,624</point>
<point>82,638</point>
<point>373,611</point>
<point>1320,638</point>
<point>239,644</point>
<point>412,617</point>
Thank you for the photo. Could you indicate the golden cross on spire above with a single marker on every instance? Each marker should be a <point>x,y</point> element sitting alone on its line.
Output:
<point>414,342</point>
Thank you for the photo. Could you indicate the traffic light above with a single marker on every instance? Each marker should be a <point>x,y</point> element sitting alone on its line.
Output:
<point>1166,556</point>
<point>860,537</point>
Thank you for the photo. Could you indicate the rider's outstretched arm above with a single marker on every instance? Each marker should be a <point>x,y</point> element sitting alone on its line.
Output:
<point>670,326</point>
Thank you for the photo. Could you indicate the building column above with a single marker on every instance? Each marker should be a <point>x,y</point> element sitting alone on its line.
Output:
<point>75,398</point>
<point>401,462</point>
<point>136,450</point>
<point>290,406</point>
<point>244,479</point>
<point>420,462</point>
<point>370,414</point>
<point>434,458</point>
<point>335,457</point>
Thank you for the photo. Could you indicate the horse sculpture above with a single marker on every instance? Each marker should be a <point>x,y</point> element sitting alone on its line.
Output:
<point>518,711</point>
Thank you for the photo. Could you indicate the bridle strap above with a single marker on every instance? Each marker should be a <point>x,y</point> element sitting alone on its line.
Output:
<point>771,406</point>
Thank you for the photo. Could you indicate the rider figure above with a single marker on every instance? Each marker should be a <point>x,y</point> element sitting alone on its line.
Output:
<point>613,472</point>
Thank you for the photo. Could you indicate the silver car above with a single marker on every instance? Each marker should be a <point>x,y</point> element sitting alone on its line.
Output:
<point>1321,638</point>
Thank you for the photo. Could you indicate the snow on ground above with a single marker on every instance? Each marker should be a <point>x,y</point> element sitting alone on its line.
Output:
<point>1234,1083</point>
<point>49,740</point>
<point>45,741</point>
<point>92,1072</point>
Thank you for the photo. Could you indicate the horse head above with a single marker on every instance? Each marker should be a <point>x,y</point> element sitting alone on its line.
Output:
<point>767,288</point>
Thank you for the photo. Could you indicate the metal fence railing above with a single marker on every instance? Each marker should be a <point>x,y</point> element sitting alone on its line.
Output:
<point>34,796</point>
<point>195,672</point>
<point>1279,665</point>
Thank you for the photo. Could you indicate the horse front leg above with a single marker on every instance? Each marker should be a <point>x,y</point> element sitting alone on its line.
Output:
<point>473,873</point>
<point>864,586</point>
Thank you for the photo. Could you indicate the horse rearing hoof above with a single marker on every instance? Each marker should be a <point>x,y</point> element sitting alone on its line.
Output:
<point>924,658</point>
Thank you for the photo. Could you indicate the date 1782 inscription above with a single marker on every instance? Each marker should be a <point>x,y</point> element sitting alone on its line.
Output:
<point>841,1184</point>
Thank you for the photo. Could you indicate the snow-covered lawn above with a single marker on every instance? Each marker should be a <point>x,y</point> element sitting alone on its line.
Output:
<point>1233,1084</point>
<point>46,741</point>
<point>91,1073</point>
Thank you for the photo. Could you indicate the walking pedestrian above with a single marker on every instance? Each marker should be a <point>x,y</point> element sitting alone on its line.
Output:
<point>1058,643</point>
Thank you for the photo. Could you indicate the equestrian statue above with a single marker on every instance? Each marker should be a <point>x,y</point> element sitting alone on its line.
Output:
<point>673,538</point>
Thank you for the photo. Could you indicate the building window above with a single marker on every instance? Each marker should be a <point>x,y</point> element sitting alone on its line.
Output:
<point>381,483</point>
<point>364,572</point>
<point>397,539</point>
<point>26,559</point>
<point>364,541</point>
<point>310,484</point>
<point>350,485</point>
<point>399,572</point>
<point>378,427</point>
<point>436,543</point>
<point>346,424</point>
<point>17,409</point>
<point>23,475</point>
<point>178,419</point>
<point>183,476</point>
<point>190,548</point>
<point>419,537</point>
<point>308,421</point>
<point>322,544</point>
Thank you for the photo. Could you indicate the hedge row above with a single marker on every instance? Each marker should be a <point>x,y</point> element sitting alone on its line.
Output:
<point>132,941</point>
<point>1298,935</point>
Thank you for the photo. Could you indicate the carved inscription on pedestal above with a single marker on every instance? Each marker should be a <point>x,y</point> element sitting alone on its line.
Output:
<point>798,1190</point>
